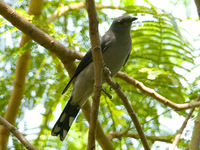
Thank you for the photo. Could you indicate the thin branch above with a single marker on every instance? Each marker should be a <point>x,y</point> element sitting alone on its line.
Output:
<point>98,61</point>
<point>101,137</point>
<point>176,139</point>
<point>128,106</point>
<point>155,95</point>
<point>75,6</point>
<point>106,92</point>
<point>17,134</point>
<point>136,136</point>
<point>63,9</point>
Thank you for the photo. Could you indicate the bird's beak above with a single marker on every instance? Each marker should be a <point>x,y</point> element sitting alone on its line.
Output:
<point>133,18</point>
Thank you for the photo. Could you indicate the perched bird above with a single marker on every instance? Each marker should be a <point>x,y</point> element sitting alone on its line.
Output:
<point>116,45</point>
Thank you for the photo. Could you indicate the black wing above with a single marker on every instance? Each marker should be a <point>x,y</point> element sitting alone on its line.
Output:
<point>87,59</point>
<point>126,59</point>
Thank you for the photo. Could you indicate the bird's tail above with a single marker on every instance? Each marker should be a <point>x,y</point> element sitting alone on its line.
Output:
<point>65,120</point>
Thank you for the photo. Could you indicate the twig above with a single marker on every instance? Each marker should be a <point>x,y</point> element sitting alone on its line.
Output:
<point>75,6</point>
<point>101,137</point>
<point>98,61</point>
<point>63,9</point>
<point>176,139</point>
<point>136,136</point>
<point>17,134</point>
<point>155,95</point>
<point>106,92</point>
<point>128,106</point>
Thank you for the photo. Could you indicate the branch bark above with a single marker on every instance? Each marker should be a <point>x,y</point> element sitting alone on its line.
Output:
<point>98,61</point>
<point>194,144</point>
<point>63,9</point>
<point>101,137</point>
<point>136,136</point>
<point>177,137</point>
<point>66,55</point>
<point>17,134</point>
<point>155,95</point>
<point>128,106</point>
<point>75,6</point>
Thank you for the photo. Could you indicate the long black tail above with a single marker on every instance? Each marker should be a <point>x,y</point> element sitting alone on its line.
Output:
<point>65,120</point>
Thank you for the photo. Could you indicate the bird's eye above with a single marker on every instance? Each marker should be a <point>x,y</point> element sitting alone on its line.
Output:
<point>120,21</point>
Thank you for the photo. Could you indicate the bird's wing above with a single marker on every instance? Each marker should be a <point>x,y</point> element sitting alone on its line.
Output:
<point>87,59</point>
<point>126,59</point>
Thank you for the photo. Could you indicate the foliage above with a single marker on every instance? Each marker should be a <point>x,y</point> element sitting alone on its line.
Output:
<point>159,51</point>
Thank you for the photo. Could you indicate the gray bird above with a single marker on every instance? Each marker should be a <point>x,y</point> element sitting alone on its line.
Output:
<point>116,45</point>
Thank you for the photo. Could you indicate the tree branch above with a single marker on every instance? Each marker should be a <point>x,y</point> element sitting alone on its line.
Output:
<point>101,137</point>
<point>66,55</point>
<point>63,9</point>
<point>194,144</point>
<point>75,6</point>
<point>17,134</point>
<point>136,136</point>
<point>98,61</point>
<point>128,106</point>
<point>155,95</point>
<point>177,137</point>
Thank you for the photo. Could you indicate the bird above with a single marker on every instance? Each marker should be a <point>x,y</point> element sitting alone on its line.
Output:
<point>116,45</point>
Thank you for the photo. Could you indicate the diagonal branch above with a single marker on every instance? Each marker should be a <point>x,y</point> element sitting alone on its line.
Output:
<point>176,139</point>
<point>128,106</point>
<point>155,95</point>
<point>66,55</point>
<point>17,134</point>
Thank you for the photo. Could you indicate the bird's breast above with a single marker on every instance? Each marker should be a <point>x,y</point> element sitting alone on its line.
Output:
<point>116,55</point>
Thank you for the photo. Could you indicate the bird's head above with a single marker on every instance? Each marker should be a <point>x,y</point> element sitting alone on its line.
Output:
<point>122,23</point>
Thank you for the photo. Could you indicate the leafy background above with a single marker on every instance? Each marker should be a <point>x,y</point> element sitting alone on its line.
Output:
<point>163,58</point>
